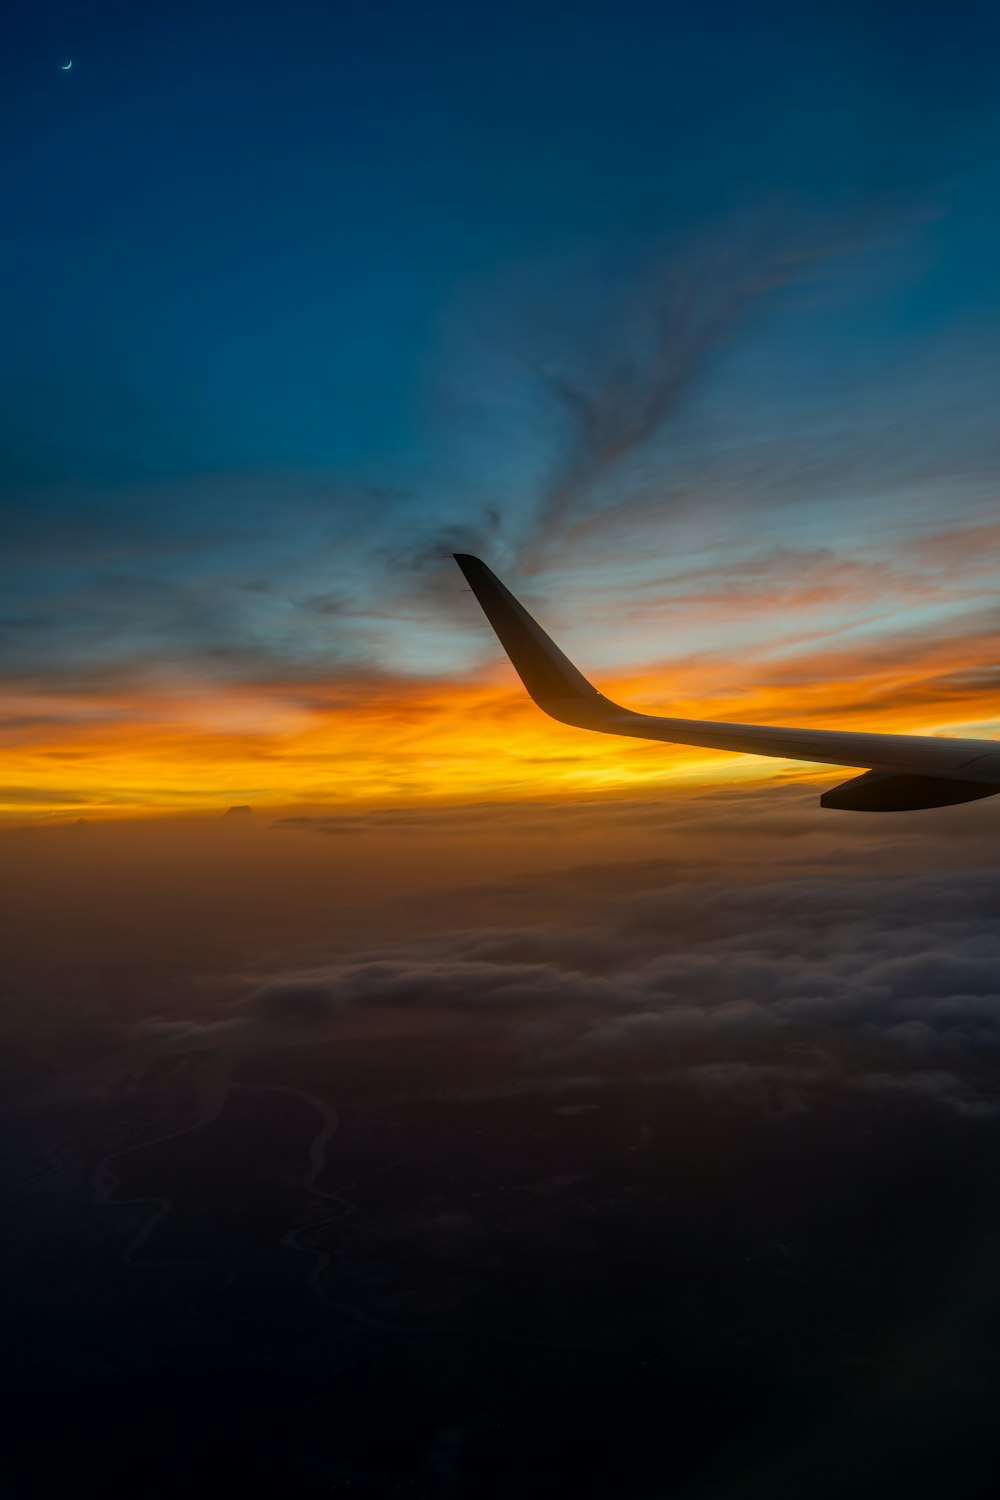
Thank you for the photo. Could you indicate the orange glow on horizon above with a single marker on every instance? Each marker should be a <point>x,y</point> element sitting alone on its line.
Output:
<point>194,747</point>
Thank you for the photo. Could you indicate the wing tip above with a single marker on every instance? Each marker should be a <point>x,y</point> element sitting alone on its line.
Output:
<point>549,676</point>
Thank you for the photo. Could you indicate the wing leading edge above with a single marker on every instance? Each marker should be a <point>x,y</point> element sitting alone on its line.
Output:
<point>902,771</point>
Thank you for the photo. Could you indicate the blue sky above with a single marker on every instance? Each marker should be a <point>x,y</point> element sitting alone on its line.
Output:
<point>299,297</point>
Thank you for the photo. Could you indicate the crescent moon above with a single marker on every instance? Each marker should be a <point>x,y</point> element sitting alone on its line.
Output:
<point>65,67</point>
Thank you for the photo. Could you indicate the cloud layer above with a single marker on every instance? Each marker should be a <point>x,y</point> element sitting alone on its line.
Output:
<point>775,991</point>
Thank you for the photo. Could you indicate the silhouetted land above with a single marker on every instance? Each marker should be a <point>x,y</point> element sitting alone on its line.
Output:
<point>489,1295</point>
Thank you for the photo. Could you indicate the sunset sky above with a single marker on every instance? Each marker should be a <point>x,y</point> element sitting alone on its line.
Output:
<point>495,1109</point>
<point>697,346</point>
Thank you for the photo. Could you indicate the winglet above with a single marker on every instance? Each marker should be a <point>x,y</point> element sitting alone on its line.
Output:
<point>549,676</point>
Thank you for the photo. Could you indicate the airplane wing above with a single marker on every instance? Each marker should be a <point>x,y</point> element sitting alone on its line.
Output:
<point>902,771</point>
